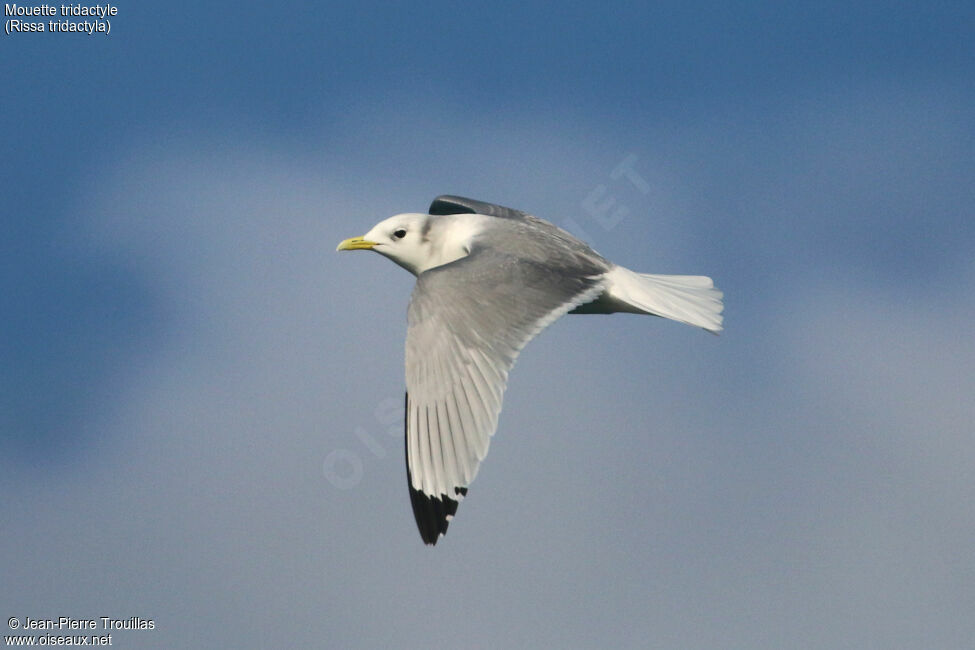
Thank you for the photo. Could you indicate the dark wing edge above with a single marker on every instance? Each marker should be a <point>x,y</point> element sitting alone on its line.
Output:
<point>450,204</point>
<point>432,515</point>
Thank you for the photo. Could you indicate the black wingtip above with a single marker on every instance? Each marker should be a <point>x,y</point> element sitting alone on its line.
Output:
<point>432,514</point>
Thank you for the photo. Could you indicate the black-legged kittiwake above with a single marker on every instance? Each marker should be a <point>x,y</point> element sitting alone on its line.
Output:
<point>488,279</point>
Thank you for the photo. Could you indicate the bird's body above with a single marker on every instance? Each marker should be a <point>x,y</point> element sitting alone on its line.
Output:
<point>489,279</point>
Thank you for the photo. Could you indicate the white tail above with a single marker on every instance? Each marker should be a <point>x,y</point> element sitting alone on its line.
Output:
<point>690,299</point>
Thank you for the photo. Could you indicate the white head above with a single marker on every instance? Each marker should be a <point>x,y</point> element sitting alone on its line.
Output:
<point>418,242</point>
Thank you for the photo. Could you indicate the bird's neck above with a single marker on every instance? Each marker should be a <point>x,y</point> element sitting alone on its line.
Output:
<point>450,239</point>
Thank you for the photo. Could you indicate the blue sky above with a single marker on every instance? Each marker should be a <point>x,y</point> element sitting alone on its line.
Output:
<point>183,350</point>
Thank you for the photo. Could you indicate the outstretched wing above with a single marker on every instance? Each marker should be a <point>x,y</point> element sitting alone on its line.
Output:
<point>468,320</point>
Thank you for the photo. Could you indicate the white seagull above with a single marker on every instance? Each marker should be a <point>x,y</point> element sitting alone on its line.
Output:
<point>488,279</point>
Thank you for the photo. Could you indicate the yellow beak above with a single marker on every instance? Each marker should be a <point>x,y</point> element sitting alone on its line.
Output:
<point>356,244</point>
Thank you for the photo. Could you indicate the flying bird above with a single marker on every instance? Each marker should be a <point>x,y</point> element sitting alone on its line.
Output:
<point>488,279</point>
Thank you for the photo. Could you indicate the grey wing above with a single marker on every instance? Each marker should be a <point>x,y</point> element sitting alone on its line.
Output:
<point>468,320</point>
<point>448,204</point>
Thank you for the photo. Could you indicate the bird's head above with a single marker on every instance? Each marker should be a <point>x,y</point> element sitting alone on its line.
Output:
<point>417,242</point>
<point>403,238</point>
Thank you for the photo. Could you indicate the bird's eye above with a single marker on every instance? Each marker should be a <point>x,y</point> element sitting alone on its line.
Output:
<point>399,234</point>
